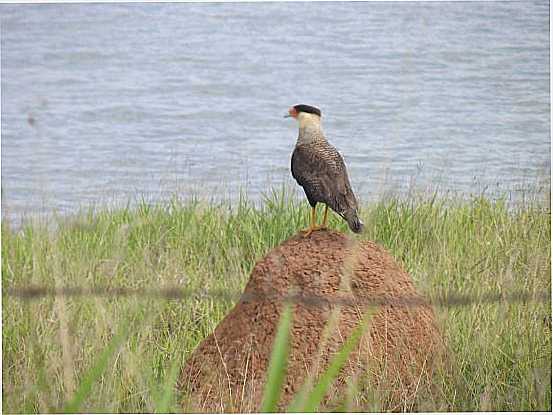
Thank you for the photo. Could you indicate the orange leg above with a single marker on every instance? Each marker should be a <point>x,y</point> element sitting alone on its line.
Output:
<point>313,224</point>
<point>325,217</point>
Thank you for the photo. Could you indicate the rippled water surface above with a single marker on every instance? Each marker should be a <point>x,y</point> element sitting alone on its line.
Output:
<point>102,103</point>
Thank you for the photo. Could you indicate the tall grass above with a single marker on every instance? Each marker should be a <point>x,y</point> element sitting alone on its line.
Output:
<point>277,366</point>
<point>52,347</point>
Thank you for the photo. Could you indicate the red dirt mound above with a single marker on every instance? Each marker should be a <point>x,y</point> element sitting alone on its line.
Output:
<point>226,373</point>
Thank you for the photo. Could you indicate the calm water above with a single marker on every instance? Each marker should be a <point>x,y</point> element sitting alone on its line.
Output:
<point>105,103</point>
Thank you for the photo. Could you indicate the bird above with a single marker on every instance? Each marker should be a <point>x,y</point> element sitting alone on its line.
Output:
<point>320,169</point>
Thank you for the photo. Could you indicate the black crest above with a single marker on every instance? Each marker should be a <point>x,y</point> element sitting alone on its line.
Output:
<point>307,108</point>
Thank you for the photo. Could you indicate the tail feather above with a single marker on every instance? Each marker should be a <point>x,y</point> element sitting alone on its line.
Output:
<point>354,222</point>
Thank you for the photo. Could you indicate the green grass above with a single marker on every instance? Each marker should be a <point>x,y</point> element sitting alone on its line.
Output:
<point>277,366</point>
<point>58,352</point>
<point>309,399</point>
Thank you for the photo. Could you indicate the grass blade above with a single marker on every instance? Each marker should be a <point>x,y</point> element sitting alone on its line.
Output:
<point>327,378</point>
<point>95,372</point>
<point>164,404</point>
<point>277,366</point>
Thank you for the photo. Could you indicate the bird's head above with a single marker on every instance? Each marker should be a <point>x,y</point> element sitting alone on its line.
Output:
<point>303,112</point>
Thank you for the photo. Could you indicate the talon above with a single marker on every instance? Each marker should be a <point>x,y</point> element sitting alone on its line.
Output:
<point>310,230</point>
<point>307,232</point>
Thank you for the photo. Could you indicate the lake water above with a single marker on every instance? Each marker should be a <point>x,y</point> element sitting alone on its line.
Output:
<point>104,103</point>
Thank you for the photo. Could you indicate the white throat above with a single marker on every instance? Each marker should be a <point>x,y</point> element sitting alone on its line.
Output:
<point>310,121</point>
<point>310,128</point>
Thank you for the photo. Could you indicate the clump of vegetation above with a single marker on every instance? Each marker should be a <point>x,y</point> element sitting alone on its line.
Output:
<point>98,352</point>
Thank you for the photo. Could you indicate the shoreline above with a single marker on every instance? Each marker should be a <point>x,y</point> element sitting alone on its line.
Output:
<point>538,192</point>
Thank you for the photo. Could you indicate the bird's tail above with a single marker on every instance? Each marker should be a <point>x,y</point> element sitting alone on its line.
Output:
<point>353,220</point>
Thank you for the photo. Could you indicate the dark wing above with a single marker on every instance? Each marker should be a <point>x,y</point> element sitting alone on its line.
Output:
<point>321,171</point>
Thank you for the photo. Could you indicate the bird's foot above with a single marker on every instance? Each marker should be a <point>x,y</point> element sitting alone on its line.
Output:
<point>307,232</point>
<point>311,229</point>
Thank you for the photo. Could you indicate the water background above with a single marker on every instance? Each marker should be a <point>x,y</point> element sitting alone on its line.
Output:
<point>106,103</point>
